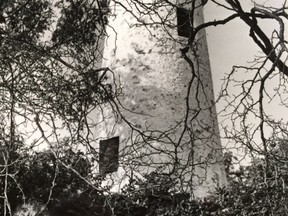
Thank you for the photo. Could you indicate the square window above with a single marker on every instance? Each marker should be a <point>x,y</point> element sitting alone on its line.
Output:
<point>183,22</point>
<point>109,155</point>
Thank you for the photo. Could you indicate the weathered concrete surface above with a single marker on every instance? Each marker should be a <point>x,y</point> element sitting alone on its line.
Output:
<point>172,120</point>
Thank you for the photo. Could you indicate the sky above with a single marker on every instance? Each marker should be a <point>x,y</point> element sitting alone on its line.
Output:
<point>230,45</point>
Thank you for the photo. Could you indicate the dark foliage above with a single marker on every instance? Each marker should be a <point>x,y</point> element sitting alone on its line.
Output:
<point>39,176</point>
<point>80,23</point>
<point>252,191</point>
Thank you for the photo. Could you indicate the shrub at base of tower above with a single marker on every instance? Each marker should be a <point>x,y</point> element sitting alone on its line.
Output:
<point>253,190</point>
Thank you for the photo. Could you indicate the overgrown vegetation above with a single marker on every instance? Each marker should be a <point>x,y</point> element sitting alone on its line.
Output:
<point>51,80</point>
<point>252,190</point>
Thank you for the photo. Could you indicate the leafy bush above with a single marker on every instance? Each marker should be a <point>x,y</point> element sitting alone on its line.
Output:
<point>38,176</point>
<point>258,189</point>
<point>253,190</point>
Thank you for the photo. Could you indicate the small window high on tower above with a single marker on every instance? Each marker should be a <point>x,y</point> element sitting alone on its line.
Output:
<point>183,22</point>
<point>109,155</point>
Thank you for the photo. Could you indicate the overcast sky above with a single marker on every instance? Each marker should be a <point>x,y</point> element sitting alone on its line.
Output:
<point>230,44</point>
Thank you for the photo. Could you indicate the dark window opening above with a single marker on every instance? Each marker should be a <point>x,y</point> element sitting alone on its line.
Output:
<point>109,155</point>
<point>183,22</point>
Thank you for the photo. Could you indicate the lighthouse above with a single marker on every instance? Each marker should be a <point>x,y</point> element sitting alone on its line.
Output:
<point>163,118</point>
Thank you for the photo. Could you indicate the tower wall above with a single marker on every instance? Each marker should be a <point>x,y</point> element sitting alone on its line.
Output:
<point>168,121</point>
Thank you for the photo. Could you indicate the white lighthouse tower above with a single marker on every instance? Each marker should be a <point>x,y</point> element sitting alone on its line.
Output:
<point>164,118</point>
